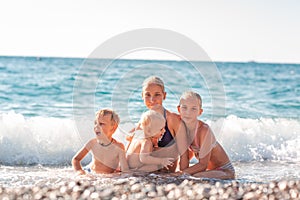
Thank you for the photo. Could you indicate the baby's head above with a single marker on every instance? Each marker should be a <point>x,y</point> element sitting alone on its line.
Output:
<point>153,124</point>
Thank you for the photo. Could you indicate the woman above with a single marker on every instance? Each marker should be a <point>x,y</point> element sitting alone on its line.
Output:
<point>174,141</point>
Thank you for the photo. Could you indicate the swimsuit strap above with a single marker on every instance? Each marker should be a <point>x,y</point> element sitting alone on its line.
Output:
<point>195,134</point>
<point>167,138</point>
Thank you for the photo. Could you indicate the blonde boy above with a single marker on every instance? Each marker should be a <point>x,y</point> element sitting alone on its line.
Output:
<point>107,152</point>
<point>213,160</point>
<point>139,151</point>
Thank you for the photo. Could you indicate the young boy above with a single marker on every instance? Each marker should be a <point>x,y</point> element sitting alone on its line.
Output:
<point>139,151</point>
<point>107,152</point>
<point>213,160</point>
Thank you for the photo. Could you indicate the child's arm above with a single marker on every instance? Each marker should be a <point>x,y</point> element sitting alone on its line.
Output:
<point>146,158</point>
<point>199,167</point>
<point>122,159</point>
<point>204,139</point>
<point>130,137</point>
<point>184,160</point>
<point>76,160</point>
<point>182,145</point>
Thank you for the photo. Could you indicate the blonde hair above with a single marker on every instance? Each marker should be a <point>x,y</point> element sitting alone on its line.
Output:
<point>154,80</point>
<point>188,94</point>
<point>106,111</point>
<point>148,119</point>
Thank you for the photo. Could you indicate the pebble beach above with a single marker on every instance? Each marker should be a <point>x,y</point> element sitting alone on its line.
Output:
<point>155,186</point>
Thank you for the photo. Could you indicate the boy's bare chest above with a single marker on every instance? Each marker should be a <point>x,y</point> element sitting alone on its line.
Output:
<point>105,154</point>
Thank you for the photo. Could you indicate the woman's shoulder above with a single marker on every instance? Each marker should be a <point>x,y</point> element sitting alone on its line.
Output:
<point>173,116</point>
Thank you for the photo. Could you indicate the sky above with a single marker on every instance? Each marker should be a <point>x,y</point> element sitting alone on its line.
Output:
<point>227,30</point>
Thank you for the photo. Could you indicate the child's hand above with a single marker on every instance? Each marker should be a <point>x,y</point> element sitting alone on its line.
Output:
<point>138,127</point>
<point>167,162</point>
<point>80,172</point>
<point>129,138</point>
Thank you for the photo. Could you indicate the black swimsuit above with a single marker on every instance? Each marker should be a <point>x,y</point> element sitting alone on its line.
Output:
<point>167,139</point>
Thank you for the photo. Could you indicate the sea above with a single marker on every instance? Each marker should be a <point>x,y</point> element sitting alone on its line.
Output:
<point>47,109</point>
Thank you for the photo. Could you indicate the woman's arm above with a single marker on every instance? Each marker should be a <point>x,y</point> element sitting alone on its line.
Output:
<point>146,158</point>
<point>181,140</point>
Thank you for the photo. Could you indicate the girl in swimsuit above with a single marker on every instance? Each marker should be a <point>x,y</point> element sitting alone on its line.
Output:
<point>174,141</point>
<point>213,160</point>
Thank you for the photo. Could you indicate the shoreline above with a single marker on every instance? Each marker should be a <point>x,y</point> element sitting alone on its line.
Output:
<point>155,186</point>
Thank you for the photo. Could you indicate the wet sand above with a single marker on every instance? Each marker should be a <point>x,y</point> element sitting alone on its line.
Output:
<point>154,186</point>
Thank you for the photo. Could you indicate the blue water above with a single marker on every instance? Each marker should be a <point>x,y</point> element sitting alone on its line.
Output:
<point>47,106</point>
<point>44,86</point>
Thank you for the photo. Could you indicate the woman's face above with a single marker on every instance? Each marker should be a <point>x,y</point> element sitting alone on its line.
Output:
<point>153,95</point>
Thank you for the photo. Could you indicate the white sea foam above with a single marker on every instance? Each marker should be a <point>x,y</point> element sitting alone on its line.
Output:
<point>259,139</point>
<point>53,141</point>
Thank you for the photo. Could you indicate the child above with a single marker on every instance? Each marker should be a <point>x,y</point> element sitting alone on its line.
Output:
<point>107,152</point>
<point>139,151</point>
<point>213,160</point>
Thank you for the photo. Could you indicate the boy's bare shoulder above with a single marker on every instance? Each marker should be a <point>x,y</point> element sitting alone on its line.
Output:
<point>92,141</point>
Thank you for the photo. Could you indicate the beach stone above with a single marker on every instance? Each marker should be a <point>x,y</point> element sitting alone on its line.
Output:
<point>151,194</point>
<point>170,187</point>
<point>189,193</point>
<point>86,194</point>
<point>293,193</point>
<point>249,195</point>
<point>94,195</point>
<point>184,183</point>
<point>282,185</point>
<point>213,192</point>
<point>124,196</point>
<point>106,193</point>
<point>175,193</point>
<point>272,185</point>
<point>136,188</point>
<point>271,197</point>
<point>160,190</point>
<point>149,188</point>
<point>225,196</point>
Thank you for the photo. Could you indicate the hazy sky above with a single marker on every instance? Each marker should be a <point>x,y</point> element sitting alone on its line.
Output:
<point>228,30</point>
